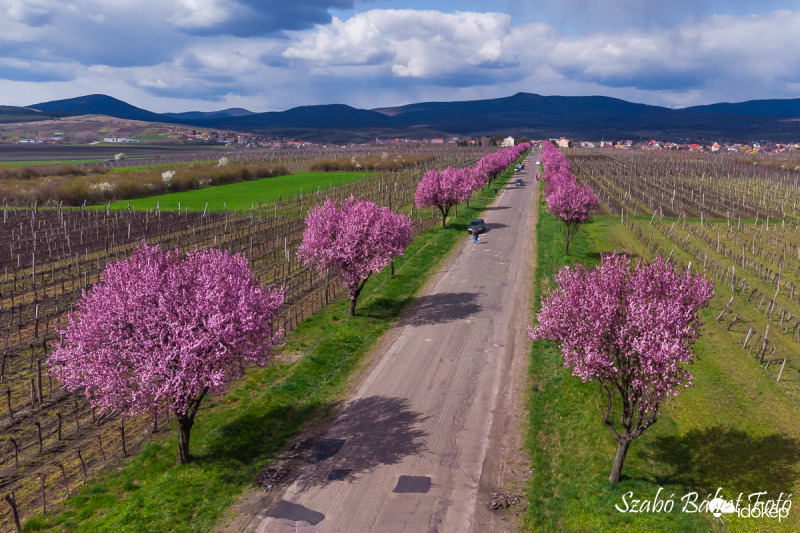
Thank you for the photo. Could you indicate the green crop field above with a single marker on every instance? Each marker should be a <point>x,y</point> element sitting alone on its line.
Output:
<point>242,195</point>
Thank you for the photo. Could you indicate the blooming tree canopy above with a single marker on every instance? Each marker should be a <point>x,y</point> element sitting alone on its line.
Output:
<point>572,204</point>
<point>629,329</point>
<point>355,239</point>
<point>567,200</point>
<point>446,188</point>
<point>162,328</point>
<point>440,189</point>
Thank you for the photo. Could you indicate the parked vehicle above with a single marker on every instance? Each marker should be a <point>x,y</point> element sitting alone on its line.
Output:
<point>477,225</point>
<point>519,182</point>
<point>517,168</point>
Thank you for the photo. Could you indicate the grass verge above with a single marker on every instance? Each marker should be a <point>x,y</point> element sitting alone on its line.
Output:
<point>732,430</point>
<point>238,433</point>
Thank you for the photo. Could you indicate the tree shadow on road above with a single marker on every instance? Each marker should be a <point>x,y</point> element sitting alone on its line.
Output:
<point>372,431</point>
<point>705,459</point>
<point>440,308</point>
<point>494,225</point>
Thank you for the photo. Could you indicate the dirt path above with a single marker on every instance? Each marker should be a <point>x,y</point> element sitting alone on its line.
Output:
<point>433,427</point>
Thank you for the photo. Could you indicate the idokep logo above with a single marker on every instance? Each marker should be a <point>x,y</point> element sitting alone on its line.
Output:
<point>753,505</point>
<point>756,505</point>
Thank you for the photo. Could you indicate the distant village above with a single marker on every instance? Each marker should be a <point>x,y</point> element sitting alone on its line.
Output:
<point>752,147</point>
<point>240,140</point>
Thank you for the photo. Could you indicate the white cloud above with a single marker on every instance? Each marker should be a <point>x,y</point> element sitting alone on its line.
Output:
<point>199,13</point>
<point>32,12</point>
<point>153,84</point>
<point>158,51</point>
<point>696,60</point>
<point>418,44</point>
<point>709,54</point>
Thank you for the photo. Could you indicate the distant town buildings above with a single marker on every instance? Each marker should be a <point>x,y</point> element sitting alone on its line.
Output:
<point>249,140</point>
<point>49,140</point>
<point>119,140</point>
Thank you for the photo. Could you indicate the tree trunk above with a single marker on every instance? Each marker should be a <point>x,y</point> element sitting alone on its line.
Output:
<point>354,295</point>
<point>622,450</point>
<point>184,427</point>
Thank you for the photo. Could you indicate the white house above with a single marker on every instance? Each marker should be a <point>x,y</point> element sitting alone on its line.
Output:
<point>119,140</point>
<point>563,142</point>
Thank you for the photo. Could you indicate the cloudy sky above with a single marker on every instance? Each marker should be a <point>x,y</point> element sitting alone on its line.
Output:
<point>264,55</point>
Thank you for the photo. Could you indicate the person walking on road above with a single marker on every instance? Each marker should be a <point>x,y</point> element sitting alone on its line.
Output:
<point>475,237</point>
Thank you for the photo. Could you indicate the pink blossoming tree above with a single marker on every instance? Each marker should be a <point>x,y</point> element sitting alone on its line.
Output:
<point>571,203</point>
<point>354,239</point>
<point>630,330</point>
<point>161,329</point>
<point>440,189</point>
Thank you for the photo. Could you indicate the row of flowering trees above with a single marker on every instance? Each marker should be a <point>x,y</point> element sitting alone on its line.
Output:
<point>628,328</point>
<point>446,188</point>
<point>162,329</point>
<point>357,237</point>
<point>569,201</point>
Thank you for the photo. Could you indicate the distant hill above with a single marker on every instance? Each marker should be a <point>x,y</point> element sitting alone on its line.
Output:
<point>333,116</point>
<point>10,113</point>
<point>533,115</point>
<point>593,117</point>
<point>205,115</point>
<point>101,104</point>
<point>777,108</point>
<point>527,112</point>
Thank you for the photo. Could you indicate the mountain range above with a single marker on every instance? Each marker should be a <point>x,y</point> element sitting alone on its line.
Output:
<point>532,115</point>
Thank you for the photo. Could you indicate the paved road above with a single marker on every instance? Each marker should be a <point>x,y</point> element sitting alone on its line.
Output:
<point>408,452</point>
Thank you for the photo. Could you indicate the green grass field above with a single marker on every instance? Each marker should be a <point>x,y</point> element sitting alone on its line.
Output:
<point>236,434</point>
<point>242,195</point>
<point>736,429</point>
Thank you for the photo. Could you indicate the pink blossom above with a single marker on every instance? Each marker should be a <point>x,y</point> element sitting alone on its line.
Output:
<point>451,186</point>
<point>568,201</point>
<point>572,204</point>
<point>354,239</point>
<point>631,330</point>
<point>440,189</point>
<point>161,329</point>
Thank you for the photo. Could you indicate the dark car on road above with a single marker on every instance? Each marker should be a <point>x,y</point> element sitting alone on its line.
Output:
<point>477,226</point>
<point>519,182</point>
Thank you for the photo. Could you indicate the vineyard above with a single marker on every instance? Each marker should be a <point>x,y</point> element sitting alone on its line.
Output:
<point>734,428</point>
<point>737,220</point>
<point>707,186</point>
<point>52,442</point>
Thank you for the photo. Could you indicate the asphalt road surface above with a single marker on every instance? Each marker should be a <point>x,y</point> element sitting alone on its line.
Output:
<point>416,446</point>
